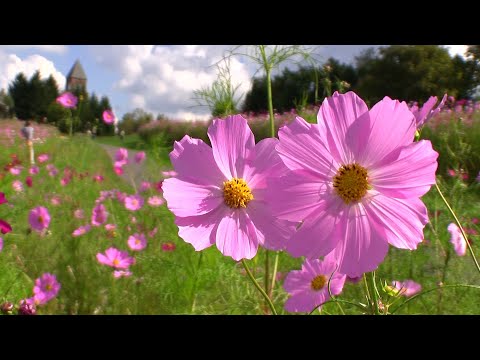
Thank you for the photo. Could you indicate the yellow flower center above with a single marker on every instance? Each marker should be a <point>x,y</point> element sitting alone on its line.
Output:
<point>137,242</point>
<point>40,219</point>
<point>319,282</point>
<point>351,182</point>
<point>48,287</point>
<point>116,262</point>
<point>236,193</point>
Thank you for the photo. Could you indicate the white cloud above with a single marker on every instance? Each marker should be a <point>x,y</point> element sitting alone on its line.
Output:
<point>161,79</point>
<point>56,49</point>
<point>11,65</point>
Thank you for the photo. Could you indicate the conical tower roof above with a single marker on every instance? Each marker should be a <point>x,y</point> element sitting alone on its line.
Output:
<point>77,71</point>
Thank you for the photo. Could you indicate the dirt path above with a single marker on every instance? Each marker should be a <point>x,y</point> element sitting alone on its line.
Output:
<point>132,171</point>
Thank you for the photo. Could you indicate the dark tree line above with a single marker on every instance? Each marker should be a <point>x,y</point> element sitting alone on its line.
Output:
<point>405,72</point>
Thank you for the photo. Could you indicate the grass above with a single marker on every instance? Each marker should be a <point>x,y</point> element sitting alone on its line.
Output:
<point>184,281</point>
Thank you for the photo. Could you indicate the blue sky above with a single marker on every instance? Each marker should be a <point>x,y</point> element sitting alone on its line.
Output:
<point>159,79</point>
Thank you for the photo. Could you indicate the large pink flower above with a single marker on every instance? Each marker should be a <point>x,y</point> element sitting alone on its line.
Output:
<point>457,240</point>
<point>67,100</point>
<point>308,287</point>
<point>46,288</point>
<point>218,193</point>
<point>355,180</point>
<point>39,218</point>
<point>116,258</point>
<point>108,117</point>
<point>427,112</point>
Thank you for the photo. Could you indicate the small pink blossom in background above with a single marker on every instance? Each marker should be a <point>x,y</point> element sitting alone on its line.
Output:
<point>407,288</point>
<point>308,287</point>
<point>158,186</point>
<point>464,176</point>
<point>46,288</point>
<point>52,170</point>
<point>121,196</point>
<point>67,100</point>
<point>155,201</point>
<point>475,220</point>
<point>42,158</point>
<point>121,156</point>
<point>5,227</point>
<point>55,200</point>
<point>39,218</point>
<point>108,117</point>
<point>64,181</point>
<point>121,273</point>
<point>99,215</point>
<point>134,202</point>
<point>137,242</point>
<point>140,157</point>
<point>16,170</point>
<point>116,258</point>
<point>81,230</point>
<point>452,172</point>
<point>27,307</point>
<point>34,170</point>
<point>1,244</point>
<point>152,232</point>
<point>457,239</point>
<point>168,246</point>
<point>471,231</point>
<point>110,227</point>
<point>478,177</point>
<point>118,170</point>
<point>3,199</point>
<point>29,181</point>
<point>17,186</point>
<point>133,219</point>
<point>169,173</point>
<point>98,178</point>
<point>145,186</point>
<point>79,214</point>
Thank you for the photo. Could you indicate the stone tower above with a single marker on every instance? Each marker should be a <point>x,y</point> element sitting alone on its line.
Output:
<point>76,77</point>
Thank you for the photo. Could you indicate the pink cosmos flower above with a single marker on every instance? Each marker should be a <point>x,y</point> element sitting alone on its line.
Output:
<point>121,196</point>
<point>407,288</point>
<point>5,227</point>
<point>98,178</point>
<point>81,230</point>
<point>121,156</point>
<point>218,194</point>
<point>56,200</point>
<point>79,214</point>
<point>172,173</point>
<point>133,219</point>
<point>108,117</point>
<point>137,242</point>
<point>118,170</point>
<point>1,244</point>
<point>478,177</point>
<point>29,181</point>
<point>158,186</point>
<point>145,186</point>
<point>140,157</point>
<point>46,288</point>
<point>155,201</point>
<point>134,202</point>
<point>42,158</point>
<point>27,307</point>
<point>451,172</point>
<point>67,100</point>
<point>16,170</point>
<point>99,215</point>
<point>168,246</point>
<point>308,287</point>
<point>355,180</point>
<point>457,239</point>
<point>475,220</point>
<point>17,186</point>
<point>110,227</point>
<point>152,232</point>
<point>3,199</point>
<point>426,112</point>
<point>34,170</point>
<point>39,218</point>
<point>116,258</point>
<point>121,273</point>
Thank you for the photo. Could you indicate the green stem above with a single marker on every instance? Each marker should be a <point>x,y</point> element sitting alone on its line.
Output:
<point>459,226</point>
<point>372,292</point>
<point>430,290</point>
<point>267,271</point>
<point>194,287</point>
<point>257,285</point>
<point>274,275</point>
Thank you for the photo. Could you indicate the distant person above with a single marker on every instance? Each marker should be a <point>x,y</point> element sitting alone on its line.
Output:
<point>89,133</point>
<point>122,135</point>
<point>94,132</point>
<point>27,132</point>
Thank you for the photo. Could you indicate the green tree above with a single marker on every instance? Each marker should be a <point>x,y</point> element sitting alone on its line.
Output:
<point>19,90</point>
<point>133,120</point>
<point>6,104</point>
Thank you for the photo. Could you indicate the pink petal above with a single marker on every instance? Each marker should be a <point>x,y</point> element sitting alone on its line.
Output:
<point>102,259</point>
<point>403,220</point>
<point>301,147</point>
<point>188,199</point>
<point>338,113</point>
<point>236,236</point>
<point>363,245</point>
<point>5,227</point>
<point>232,140</point>
<point>391,125</point>
<point>411,175</point>
<point>193,160</point>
